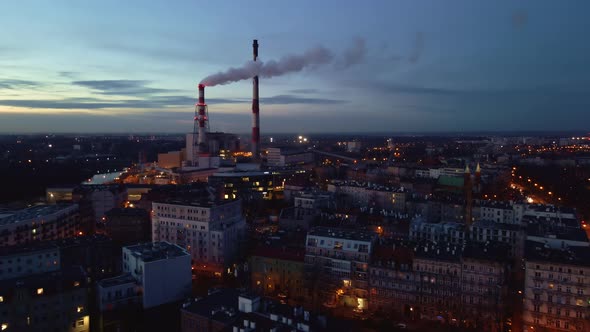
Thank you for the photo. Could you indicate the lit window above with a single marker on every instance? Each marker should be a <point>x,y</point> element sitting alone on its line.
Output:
<point>76,283</point>
<point>39,291</point>
<point>1,298</point>
<point>79,309</point>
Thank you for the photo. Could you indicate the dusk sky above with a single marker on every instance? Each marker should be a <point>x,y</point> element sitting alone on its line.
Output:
<point>134,66</point>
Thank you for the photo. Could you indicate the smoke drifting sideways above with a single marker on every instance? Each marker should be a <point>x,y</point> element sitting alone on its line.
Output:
<point>312,58</point>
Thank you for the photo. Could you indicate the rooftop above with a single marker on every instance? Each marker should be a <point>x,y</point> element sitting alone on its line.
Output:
<point>38,211</point>
<point>550,208</point>
<point>556,232</point>
<point>28,248</point>
<point>129,212</point>
<point>538,252</point>
<point>220,305</point>
<point>496,204</point>
<point>50,282</point>
<point>115,281</point>
<point>496,225</point>
<point>343,233</point>
<point>191,201</point>
<point>289,254</point>
<point>241,174</point>
<point>155,251</point>
<point>367,185</point>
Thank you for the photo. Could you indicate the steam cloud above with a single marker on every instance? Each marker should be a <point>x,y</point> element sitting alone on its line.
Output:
<point>312,58</point>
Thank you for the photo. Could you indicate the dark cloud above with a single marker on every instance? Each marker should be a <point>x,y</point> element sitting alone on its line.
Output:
<point>304,91</point>
<point>121,87</point>
<point>155,102</point>
<point>95,103</point>
<point>355,54</point>
<point>519,18</point>
<point>16,84</point>
<point>387,87</point>
<point>290,99</point>
<point>418,48</point>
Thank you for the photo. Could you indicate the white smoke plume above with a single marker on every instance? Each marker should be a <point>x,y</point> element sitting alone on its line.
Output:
<point>288,64</point>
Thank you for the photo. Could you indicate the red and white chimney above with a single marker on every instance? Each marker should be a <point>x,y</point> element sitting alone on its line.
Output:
<point>202,121</point>
<point>255,110</point>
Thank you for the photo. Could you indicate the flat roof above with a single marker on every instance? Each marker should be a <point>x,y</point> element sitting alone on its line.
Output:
<point>37,211</point>
<point>155,251</point>
<point>496,225</point>
<point>28,248</point>
<point>240,174</point>
<point>195,202</point>
<point>52,282</point>
<point>343,233</point>
<point>220,305</point>
<point>115,281</point>
<point>537,252</point>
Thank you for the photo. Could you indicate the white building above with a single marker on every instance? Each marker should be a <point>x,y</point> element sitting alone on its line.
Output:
<point>162,270</point>
<point>282,156</point>
<point>28,260</point>
<point>500,212</point>
<point>311,200</point>
<point>210,232</point>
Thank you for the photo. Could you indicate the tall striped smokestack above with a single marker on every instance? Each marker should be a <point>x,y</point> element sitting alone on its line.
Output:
<point>202,119</point>
<point>255,109</point>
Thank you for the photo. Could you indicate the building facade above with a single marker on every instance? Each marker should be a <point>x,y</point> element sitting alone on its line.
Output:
<point>210,231</point>
<point>337,263</point>
<point>51,301</point>
<point>161,269</point>
<point>557,288</point>
<point>37,223</point>
<point>278,272</point>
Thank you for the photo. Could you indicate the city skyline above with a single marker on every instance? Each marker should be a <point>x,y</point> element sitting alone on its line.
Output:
<point>433,67</point>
